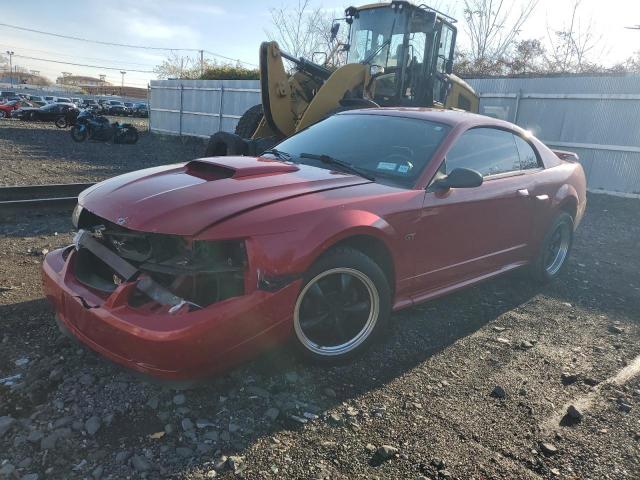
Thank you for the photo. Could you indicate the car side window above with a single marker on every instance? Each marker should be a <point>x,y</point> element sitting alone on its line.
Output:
<point>528,157</point>
<point>490,151</point>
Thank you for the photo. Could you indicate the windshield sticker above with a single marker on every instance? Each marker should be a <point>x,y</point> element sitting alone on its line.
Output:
<point>387,166</point>
<point>403,168</point>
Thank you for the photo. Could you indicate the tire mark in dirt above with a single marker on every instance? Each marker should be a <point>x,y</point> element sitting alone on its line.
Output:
<point>589,400</point>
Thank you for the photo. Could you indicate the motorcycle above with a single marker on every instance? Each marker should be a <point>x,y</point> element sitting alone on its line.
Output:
<point>96,127</point>
<point>68,119</point>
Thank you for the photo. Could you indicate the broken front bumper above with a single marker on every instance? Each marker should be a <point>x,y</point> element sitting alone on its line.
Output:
<point>185,345</point>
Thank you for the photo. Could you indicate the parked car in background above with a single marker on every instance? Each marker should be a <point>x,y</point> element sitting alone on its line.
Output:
<point>116,107</point>
<point>90,104</point>
<point>7,94</point>
<point>75,101</point>
<point>185,270</point>
<point>104,106</point>
<point>140,110</point>
<point>63,100</point>
<point>52,112</point>
<point>49,99</point>
<point>7,108</point>
<point>37,99</point>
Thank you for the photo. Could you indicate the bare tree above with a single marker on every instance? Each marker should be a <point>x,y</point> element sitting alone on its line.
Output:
<point>572,44</point>
<point>178,66</point>
<point>493,26</point>
<point>304,30</point>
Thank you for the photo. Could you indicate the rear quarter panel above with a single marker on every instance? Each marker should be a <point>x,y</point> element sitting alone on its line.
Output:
<point>565,186</point>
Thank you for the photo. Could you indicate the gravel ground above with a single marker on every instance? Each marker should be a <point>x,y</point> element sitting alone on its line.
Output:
<point>474,385</point>
<point>34,153</point>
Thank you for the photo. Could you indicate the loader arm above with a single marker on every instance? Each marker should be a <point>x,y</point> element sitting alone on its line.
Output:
<point>275,91</point>
<point>348,81</point>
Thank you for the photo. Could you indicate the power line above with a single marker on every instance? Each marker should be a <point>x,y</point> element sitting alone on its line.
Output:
<point>100,42</point>
<point>48,52</point>
<point>80,39</point>
<point>229,58</point>
<point>82,65</point>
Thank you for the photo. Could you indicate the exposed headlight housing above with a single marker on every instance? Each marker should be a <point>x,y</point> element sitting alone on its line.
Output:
<point>75,217</point>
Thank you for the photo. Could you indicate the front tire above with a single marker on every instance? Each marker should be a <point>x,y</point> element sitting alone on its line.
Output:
<point>77,134</point>
<point>342,308</point>
<point>61,122</point>
<point>249,121</point>
<point>554,250</point>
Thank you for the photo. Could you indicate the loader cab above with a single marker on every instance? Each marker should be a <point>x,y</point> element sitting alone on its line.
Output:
<point>409,49</point>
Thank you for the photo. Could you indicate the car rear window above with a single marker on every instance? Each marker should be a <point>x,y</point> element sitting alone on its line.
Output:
<point>385,146</point>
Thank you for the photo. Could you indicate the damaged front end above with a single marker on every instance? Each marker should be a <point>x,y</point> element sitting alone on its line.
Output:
<point>163,270</point>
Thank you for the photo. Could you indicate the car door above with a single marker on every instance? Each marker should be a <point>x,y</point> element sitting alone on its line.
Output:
<point>51,113</point>
<point>474,232</point>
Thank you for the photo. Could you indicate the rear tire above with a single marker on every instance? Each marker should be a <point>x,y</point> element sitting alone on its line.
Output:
<point>554,250</point>
<point>61,122</point>
<point>248,123</point>
<point>131,136</point>
<point>342,308</point>
<point>5,114</point>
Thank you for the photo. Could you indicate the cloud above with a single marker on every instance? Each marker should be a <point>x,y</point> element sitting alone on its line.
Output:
<point>157,30</point>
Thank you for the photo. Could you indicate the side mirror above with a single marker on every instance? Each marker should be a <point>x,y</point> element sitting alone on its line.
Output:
<point>335,28</point>
<point>459,178</point>
<point>449,67</point>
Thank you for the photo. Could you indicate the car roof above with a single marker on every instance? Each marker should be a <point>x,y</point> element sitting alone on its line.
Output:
<point>450,117</point>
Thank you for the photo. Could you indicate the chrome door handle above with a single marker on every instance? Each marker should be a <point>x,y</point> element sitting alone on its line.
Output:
<point>523,192</point>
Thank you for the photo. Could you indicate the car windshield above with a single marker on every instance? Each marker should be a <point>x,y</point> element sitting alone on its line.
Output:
<point>389,148</point>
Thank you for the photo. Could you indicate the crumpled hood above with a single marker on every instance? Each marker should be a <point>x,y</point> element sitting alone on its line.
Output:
<point>185,199</point>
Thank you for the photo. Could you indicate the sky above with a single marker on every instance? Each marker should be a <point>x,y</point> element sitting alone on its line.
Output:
<point>230,28</point>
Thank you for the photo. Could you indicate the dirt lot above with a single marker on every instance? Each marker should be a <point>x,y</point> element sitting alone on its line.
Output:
<point>426,391</point>
<point>39,153</point>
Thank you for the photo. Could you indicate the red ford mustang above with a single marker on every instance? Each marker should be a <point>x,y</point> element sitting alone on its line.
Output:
<point>184,270</point>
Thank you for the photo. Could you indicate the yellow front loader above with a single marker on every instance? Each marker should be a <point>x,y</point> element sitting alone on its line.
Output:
<point>398,54</point>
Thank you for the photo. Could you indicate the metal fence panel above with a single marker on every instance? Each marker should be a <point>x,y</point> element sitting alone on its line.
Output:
<point>595,116</point>
<point>200,107</point>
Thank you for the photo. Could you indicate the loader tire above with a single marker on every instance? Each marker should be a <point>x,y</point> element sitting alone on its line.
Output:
<point>248,123</point>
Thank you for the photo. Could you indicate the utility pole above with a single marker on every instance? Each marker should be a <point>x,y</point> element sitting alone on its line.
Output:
<point>201,62</point>
<point>122,85</point>
<point>10,53</point>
